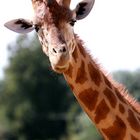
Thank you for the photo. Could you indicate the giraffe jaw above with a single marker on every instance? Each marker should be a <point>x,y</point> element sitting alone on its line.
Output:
<point>60,69</point>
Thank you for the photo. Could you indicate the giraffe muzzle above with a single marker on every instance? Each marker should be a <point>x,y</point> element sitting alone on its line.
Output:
<point>59,58</point>
<point>61,50</point>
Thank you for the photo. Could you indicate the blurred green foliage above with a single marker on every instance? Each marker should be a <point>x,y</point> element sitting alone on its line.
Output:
<point>35,102</point>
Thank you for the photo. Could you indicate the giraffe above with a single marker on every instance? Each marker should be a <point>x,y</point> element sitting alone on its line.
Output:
<point>108,105</point>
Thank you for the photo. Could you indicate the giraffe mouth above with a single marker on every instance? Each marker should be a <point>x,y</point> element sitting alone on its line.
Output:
<point>60,62</point>
<point>60,69</point>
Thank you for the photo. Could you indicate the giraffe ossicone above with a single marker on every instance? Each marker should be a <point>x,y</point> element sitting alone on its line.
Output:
<point>115,115</point>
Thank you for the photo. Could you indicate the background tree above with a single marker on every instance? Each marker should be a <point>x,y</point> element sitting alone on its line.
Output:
<point>36,102</point>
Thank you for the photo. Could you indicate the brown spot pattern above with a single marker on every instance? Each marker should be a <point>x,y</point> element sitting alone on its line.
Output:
<point>110,97</point>
<point>107,82</point>
<point>69,71</point>
<point>75,55</point>
<point>81,74</point>
<point>89,98</point>
<point>120,97</point>
<point>101,111</point>
<point>133,121</point>
<point>133,137</point>
<point>81,49</point>
<point>94,74</point>
<point>121,108</point>
<point>117,131</point>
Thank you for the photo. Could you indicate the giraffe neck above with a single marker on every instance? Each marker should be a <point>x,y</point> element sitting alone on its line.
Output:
<point>114,116</point>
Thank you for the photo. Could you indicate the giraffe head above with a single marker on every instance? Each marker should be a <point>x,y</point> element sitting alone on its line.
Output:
<point>53,21</point>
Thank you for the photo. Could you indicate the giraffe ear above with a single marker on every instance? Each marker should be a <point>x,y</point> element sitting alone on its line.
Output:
<point>83,8</point>
<point>20,26</point>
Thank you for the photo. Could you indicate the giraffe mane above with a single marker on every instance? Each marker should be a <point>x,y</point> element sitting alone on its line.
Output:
<point>129,98</point>
<point>123,91</point>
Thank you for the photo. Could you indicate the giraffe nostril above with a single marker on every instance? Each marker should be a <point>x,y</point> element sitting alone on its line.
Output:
<point>63,50</point>
<point>59,50</point>
<point>54,50</point>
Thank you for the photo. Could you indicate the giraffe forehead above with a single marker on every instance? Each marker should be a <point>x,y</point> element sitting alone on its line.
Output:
<point>54,14</point>
<point>60,13</point>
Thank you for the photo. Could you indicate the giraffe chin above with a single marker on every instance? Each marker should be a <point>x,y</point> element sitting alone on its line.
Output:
<point>60,69</point>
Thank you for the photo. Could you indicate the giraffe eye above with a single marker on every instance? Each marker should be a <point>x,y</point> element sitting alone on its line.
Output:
<point>72,22</point>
